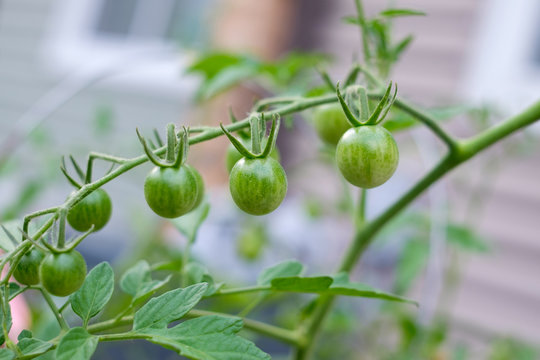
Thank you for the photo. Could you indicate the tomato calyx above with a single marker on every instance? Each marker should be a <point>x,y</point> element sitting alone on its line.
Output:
<point>258,129</point>
<point>177,148</point>
<point>356,107</point>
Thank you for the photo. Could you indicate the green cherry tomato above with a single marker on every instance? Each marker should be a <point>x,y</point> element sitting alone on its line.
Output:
<point>171,192</point>
<point>27,270</point>
<point>62,274</point>
<point>200,186</point>
<point>232,156</point>
<point>367,156</point>
<point>330,123</point>
<point>94,209</point>
<point>258,186</point>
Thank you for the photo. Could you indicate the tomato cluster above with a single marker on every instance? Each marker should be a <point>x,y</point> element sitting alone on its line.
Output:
<point>60,273</point>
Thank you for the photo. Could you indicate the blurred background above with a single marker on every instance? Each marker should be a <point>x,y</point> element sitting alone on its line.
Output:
<point>77,76</point>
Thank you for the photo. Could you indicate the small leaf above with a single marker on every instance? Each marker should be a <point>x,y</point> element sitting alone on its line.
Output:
<point>134,277</point>
<point>95,292</point>
<point>24,335</point>
<point>228,78</point>
<point>401,46</point>
<point>208,338</point>
<point>401,12</point>
<point>465,239</point>
<point>190,223</point>
<point>172,305</point>
<point>137,282</point>
<point>6,354</point>
<point>12,227</point>
<point>33,347</point>
<point>302,284</point>
<point>413,259</point>
<point>286,268</point>
<point>76,344</point>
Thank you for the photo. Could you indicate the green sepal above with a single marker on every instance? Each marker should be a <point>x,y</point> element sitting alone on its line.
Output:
<point>352,120</point>
<point>237,144</point>
<point>272,137</point>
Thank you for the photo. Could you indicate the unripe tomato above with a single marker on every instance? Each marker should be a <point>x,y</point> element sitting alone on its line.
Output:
<point>64,273</point>
<point>27,270</point>
<point>200,186</point>
<point>258,186</point>
<point>367,156</point>
<point>94,209</point>
<point>171,192</point>
<point>232,156</point>
<point>330,123</point>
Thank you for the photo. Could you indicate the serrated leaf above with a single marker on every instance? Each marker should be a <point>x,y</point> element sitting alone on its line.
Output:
<point>76,344</point>
<point>190,223</point>
<point>33,347</point>
<point>286,268</point>
<point>197,273</point>
<point>95,292</point>
<point>401,12</point>
<point>208,338</point>
<point>172,305</point>
<point>149,288</point>
<point>317,284</point>
<point>6,354</point>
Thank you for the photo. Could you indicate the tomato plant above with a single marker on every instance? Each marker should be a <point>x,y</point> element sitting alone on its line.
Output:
<point>182,309</point>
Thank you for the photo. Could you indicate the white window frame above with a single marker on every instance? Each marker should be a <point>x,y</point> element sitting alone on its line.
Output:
<point>500,70</point>
<point>147,66</point>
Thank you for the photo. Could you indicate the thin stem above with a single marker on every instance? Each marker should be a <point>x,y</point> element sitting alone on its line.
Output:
<point>361,210</point>
<point>426,120</point>
<point>60,242</point>
<point>185,261</point>
<point>36,214</point>
<point>243,290</point>
<point>285,335</point>
<point>363,31</point>
<point>61,321</point>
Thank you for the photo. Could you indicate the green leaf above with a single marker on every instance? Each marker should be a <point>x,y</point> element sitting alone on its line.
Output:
<point>208,338</point>
<point>6,240</point>
<point>32,347</point>
<point>172,305</point>
<point>95,292</point>
<point>197,273</point>
<point>413,259</point>
<point>466,239</point>
<point>339,285</point>
<point>286,268</point>
<point>137,282</point>
<point>134,277</point>
<point>6,354</point>
<point>24,335</point>
<point>190,223</point>
<point>401,12</point>
<point>342,286</point>
<point>228,78</point>
<point>401,46</point>
<point>76,344</point>
<point>316,284</point>
<point>211,64</point>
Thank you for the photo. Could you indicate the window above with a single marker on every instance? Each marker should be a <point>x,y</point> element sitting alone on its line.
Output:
<point>146,35</point>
